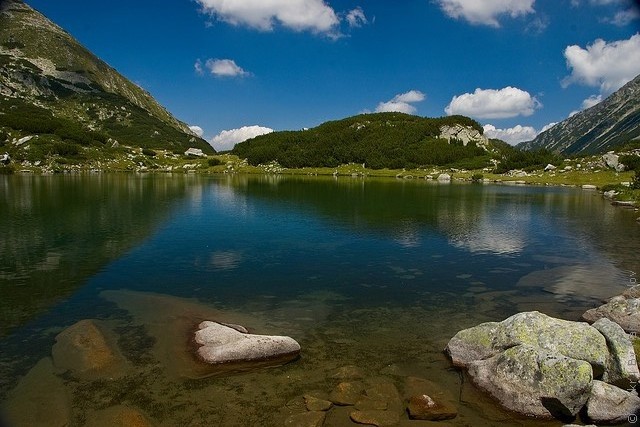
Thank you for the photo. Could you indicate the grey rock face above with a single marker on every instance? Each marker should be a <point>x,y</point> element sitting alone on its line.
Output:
<point>224,344</point>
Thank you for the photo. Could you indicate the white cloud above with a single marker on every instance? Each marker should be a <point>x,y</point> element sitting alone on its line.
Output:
<point>547,127</point>
<point>197,130</point>
<point>486,12</point>
<point>591,101</point>
<point>198,67</point>
<point>624,17</point>
<point>494,103</point>
<point>224,68</point>
<point>604,64</point>
<point>356,18</point>
<point>227,139</point>
<point>512,135</point>
<point>402,103</point>
<point>299,15</point>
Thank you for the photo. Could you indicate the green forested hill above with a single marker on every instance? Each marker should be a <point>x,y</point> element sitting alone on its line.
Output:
<point>52,87</point>
<point>380,140</point>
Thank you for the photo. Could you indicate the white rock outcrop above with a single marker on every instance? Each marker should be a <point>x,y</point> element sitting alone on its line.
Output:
<point>465,134</point>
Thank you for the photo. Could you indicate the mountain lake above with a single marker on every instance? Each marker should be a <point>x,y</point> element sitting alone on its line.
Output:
<point>371,276</point>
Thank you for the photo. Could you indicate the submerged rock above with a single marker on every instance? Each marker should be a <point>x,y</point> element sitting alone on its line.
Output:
<point>118,416</point>
<point>306,419</point>
<point>40,399</point>
<point>224,344</point>
<point>346,393</point>
<point>376,418</point>
<point>423,407</point>
<point>86,350</point>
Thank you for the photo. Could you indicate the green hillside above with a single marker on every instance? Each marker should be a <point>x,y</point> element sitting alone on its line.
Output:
<point>380,140</point>
<point>54,89</point>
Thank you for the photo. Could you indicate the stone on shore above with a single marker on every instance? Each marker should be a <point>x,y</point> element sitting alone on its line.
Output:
<point>221,344</point>
<point>87,351</point>
<point>622,368</point>
<point>444,177</point>
<point>610,404</point>
<point>623,310</point>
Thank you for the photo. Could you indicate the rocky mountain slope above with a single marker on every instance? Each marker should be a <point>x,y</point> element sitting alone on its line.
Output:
<point>50,84</point>
<point>612,122</point>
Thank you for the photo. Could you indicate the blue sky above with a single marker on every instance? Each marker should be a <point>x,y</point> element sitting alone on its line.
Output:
<point>236,68</point>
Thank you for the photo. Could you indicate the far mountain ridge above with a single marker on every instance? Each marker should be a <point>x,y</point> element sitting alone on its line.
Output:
<point>601,128</point>
<point>51,84</point>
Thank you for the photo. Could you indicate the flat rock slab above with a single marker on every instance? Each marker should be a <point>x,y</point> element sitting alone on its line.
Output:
<point>376,418</point>
<point>313,403</point>
<point>39,400</point>
<point>306,419</point>
<point>225,344</point>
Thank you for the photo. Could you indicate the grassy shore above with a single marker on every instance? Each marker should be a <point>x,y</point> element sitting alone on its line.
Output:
<point>570,173</point>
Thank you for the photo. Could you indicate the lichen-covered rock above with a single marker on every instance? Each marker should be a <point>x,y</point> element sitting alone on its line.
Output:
<point>576,340</point>
<point>224,344</point>
<point>622,368</point>
<point>621,310</point>
<point>86,350</point>
<point>610,405</point>
<point>534,382</point>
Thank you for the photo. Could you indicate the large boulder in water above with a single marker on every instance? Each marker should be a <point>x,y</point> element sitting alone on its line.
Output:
<point>221,344</point>
<point>543,367</point>
<point>534,382</point>
<point>576,340</point>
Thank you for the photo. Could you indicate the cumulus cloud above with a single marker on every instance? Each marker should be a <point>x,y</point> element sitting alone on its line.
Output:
<point>356,18</point>
<point>512,135</point>
<point>494,103</point>
<point>197,130</point>
<point>547,127</point>
<point>298,15</point>
<point>227,139</point>
<point>221,68</point>
<point>486,12</point>
<point>608,65</point>
<point>402,103</point>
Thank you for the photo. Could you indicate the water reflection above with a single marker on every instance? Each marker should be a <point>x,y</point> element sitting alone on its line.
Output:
<point>57,231</point>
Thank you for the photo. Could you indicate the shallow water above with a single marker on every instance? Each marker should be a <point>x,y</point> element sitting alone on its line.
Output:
<point>378,274</point>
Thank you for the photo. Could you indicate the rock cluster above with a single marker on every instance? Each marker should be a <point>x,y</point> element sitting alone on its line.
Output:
<point>622,309</point>
<point>544,367</point>
<point>372,401</point>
